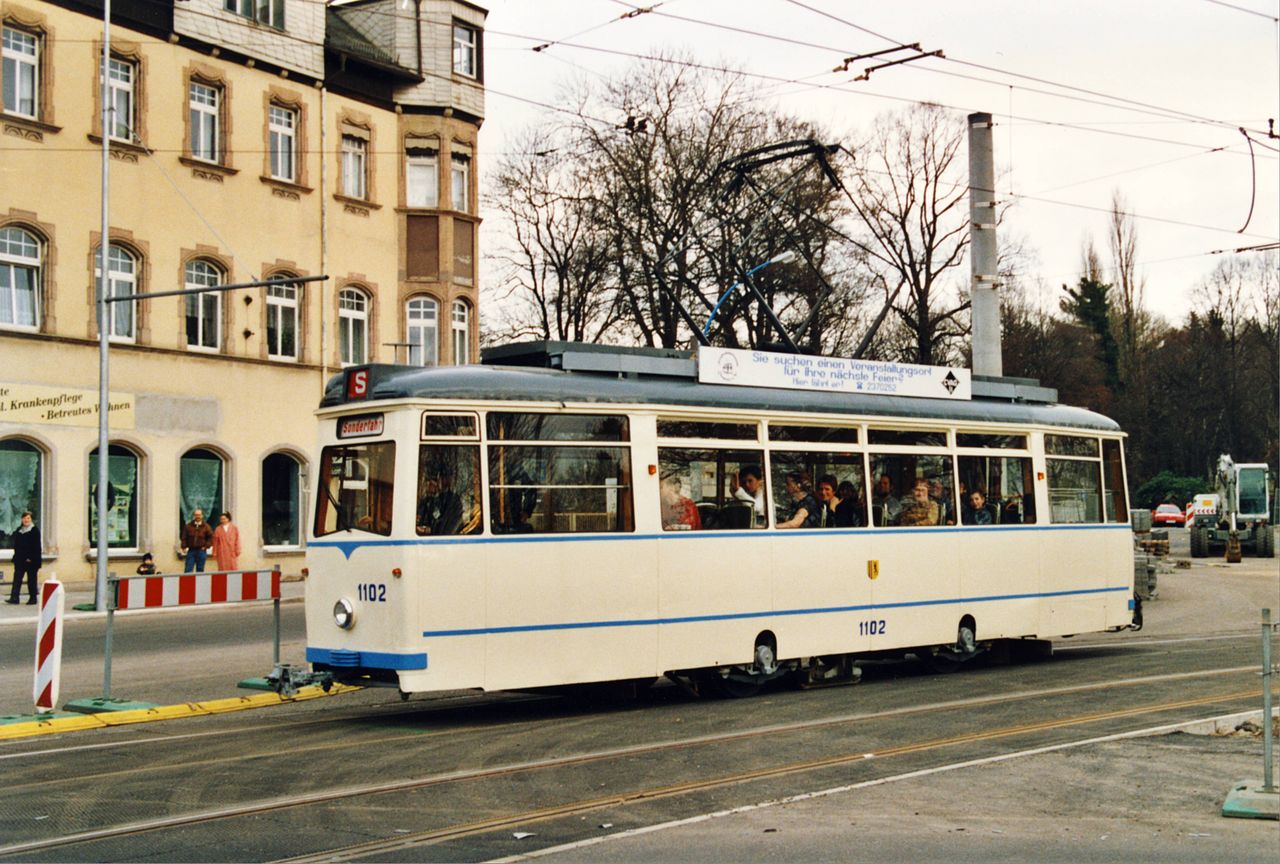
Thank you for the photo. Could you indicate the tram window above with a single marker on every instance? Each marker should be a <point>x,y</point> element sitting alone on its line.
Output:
<point>726,486</point>
<point>908,437</point>
<point>448,490</point>
<point>1070,445</point>
<point>668,428</point>
<point>814,434</point>
<point>356,486</point>
<point>557,427</point>
<point>449,426</point>
<point>895,499</point>
<point>1006,493</point>
<point>991,442</point>
<point>843,506</point>
<point>1075,490</point>
<point>558,490</point>
<point>1116,498</point>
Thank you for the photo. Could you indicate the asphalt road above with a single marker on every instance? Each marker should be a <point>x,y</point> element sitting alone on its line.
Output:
<point>999,762</point>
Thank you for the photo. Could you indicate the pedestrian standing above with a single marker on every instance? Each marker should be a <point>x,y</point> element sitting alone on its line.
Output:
<point>197,537</point>
<point>226,544</point>
<point>27,559</point>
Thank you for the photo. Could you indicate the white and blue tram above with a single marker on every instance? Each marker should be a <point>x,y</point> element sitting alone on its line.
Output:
<point>583,514</point>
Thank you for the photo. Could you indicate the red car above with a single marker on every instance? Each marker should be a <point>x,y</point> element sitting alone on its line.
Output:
<point>1168,514</point>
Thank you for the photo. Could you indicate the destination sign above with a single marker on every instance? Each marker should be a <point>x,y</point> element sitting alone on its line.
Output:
<point>834,374</point>
<point>360,426</point>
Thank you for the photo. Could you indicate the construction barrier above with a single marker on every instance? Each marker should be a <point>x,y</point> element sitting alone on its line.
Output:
<point>196,589</point>
<point>49,646</point>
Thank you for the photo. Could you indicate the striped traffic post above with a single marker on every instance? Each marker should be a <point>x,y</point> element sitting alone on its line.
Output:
<point>49,646</point>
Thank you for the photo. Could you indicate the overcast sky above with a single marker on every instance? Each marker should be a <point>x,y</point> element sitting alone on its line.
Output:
<point>1200,68</point>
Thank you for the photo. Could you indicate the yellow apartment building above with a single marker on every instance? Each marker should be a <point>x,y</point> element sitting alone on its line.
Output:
<point>248,140</point>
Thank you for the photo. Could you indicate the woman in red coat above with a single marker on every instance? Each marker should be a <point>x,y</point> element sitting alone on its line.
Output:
<point>226,544</point>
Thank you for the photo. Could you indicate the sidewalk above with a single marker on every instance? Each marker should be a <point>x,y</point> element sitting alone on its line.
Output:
<point>292,589</point>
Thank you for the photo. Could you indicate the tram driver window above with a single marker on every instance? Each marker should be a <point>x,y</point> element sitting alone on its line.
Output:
<point>448,490</point>
<point>356,488</point>
<point>725,487</point>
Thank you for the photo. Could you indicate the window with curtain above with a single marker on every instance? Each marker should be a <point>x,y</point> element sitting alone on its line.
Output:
<point>460,323</point>
<point>282,132</point>
<point>122,498</point>
<point>353,326</point>
<point>19,278</point>
<point>200,485</point>
<point>20,52</point>
<point>122,78</point>
<point>281,506</point>
<point>204,311</point>
<point>282,322</point>
<point>21,466</point>
<point>422,177</point>
<point>423,331</point>
<point>122,280</point>
<point>204,115</point>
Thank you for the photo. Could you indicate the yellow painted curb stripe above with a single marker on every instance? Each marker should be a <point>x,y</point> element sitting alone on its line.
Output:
<point>105,719</point>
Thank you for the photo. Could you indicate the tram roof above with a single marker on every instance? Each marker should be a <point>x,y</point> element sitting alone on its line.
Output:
<point>670,385</point>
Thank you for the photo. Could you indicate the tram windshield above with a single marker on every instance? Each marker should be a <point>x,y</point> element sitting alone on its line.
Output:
<point>356,488</point>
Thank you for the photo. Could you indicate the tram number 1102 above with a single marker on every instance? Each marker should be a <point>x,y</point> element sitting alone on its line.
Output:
<point>371,592</point>
<point>871,628</point>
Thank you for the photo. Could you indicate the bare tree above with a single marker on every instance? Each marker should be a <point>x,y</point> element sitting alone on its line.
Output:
<point>556,284</point>
<point>1130,287</point>
<point>910,194</point>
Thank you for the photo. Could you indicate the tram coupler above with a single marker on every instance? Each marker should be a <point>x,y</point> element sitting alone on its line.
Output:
<point>287,679</point>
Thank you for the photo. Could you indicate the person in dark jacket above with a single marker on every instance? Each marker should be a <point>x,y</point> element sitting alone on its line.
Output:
<point>197,537</point>
<point>27,559</point>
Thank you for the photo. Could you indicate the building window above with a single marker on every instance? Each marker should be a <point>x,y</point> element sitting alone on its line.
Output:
<point>460,175</point>
<point>204,311</point>
<point>21,72</point>
<point>122,79</point>
<point>422,178</point>
<point>465,56</point>
<point>282,321</point>
<point>21,467</point>
<point>280,500</point>
<point>355,159</point>
<point>423,333</point>
<point>460,332</point>
<point>122,280</point>
<point>282,126</point>
<point>122,497</point>
<point>269,12</point>
<point>204,105</point>
<point>353,327</point>
<point>19,279</point>
<point>200,485</point>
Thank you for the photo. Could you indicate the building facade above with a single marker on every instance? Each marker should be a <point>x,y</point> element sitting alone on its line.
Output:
<point>248,140</point>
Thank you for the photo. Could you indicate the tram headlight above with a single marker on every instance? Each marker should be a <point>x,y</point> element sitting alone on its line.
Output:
<point>344,615</point>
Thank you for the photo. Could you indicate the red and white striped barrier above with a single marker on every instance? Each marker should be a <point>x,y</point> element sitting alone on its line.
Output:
<point>49,645</point>
<point>196,589</point>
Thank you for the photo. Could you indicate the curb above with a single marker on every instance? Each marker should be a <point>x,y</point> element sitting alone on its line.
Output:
<point>78,722</point>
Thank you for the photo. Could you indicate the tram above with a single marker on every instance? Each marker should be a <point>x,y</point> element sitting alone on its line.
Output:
<point>563,514</point>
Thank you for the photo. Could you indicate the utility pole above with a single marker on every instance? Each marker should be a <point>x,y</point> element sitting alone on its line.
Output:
<point>983,267</point>
<point>104,317</point>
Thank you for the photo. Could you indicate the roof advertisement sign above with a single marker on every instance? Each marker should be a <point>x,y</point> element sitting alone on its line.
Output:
<point>836,374</point>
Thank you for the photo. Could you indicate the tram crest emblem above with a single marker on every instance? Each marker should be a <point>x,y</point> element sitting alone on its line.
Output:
<point>727,367</point>
<point>951,382</point>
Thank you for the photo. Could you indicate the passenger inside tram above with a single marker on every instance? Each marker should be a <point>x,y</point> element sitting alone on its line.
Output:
<point>884,503</point>
<point>849,509</point>
<point>827,501</point>
<point>921,509</point>
<point>679,513</point>
<point>748,487</point>
<point>440,510</point>
<point>802,510</point>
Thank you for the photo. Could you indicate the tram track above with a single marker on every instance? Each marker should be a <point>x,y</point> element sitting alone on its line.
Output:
<point>462,776</point>
<point>319,749</point>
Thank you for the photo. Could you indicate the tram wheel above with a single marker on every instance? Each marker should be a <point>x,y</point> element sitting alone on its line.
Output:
<point>946,660</point>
